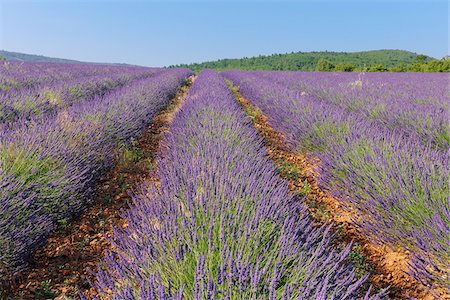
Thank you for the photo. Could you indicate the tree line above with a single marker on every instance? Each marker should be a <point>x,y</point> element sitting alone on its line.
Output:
<point>367,61</point>
<point>420,64</point>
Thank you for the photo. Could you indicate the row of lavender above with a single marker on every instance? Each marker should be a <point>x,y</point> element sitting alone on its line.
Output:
<point>49,96</point>
<point>410,102</point>
<point>18,75</point>
<point>49,169</point>
<point>221,224</point>
<point>382,167</point>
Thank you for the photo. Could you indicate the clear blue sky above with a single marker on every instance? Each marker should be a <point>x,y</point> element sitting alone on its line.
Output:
<point>158,33</point>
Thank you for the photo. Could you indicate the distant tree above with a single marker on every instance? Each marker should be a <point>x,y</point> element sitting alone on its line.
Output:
<point>324,65</point>
<point>419,64</point>
<point>417,67</point>
<point>2,58</point>
<point>401,67</point>
<point>377,68</point>
<point>326,61</point>
<point>420,59</point>
<point>344,67</point>
<point>442,65</point>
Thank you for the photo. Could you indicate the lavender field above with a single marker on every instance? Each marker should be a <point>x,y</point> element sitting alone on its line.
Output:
<point>222,224</point>
<point>53,152</point>
<point>220,221</point>
<point>383,144</point>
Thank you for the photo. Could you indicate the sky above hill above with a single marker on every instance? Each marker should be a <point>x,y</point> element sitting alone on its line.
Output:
<point>159,33</point>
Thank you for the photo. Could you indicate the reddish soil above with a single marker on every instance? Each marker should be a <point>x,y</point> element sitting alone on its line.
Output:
<point>60,268</point>
<point>387,267</point>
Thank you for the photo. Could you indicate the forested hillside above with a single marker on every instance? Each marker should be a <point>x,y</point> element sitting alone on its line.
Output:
<point>375,61</point>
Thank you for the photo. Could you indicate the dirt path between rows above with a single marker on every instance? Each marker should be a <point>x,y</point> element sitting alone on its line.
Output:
<point>387,267</point>
<point>59,269</point>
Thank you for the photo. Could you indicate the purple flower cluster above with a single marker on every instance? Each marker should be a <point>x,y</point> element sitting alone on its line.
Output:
<point>221,223</point>
<point>383,144</point>
<point>49,167</point>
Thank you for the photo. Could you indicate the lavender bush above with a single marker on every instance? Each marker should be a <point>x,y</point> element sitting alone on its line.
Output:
<point>222,224</point>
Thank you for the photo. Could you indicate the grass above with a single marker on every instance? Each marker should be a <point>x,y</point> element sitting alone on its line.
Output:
<point>289,170</point>
<point>131,154</point>
<point>122,182</point>
<point>81,244</point>
<point>320,210</point>
<point>252,111</point>
<point>359,260</point>
<point>63,225</point>
<point>45,290</point>
<point>306,188</point>
<point>107,199</point>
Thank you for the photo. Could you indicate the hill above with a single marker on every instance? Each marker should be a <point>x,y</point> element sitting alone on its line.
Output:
<point>16,56</point>
<point>307,61</point>
<point>34,58</point>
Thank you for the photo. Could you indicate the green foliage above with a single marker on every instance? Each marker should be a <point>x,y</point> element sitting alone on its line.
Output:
<point>319,210</point>
<point>344,67</point>
<point>253,112</point>
<point>442,65</point>
<point>401,67</point>
<point>360,260</point>
<point>130,154</point>
<point>324,65</point>
<point>2,58</point>
<point>420,59</point>
<point>377,68</point>
<point>75,92</point>
<point>306,188</point>
<point>289,170</point>
<point>45,291</point>
<point>427,190</point>
<point>53,97</point>
<point>107,199</point>
<point>370,61</point>
<point>318,139</point>
<point>420,64</point>
<point>28,167</point>
<point>63,225</point>
<point>4,87</point>
<point>417,67</point>
<point>308,61</point>
<point>266,239</point>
